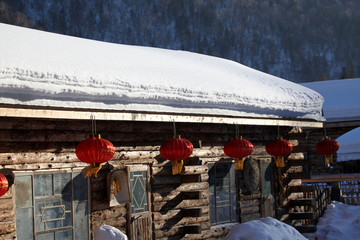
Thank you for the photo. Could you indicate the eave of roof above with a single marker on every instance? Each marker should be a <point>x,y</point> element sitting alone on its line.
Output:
<point>85,114</point>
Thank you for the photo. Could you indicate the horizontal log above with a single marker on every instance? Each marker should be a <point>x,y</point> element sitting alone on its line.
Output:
<point>11,235</point>
<point>165,206</point>
<point>181,188</point>
<point>7,227</point>
<point>168,232</point>
<point>6,204</point>
<point>249,217</point>
<point>251,196</point>
<point>158,216</point>
<point>296,156</point>
<point>249,203</point>
<point>179,222</point>
<point>7,215</point>
<point>119,223</point>
<point>249,210</point>
<point>188,170</point>
<point>114,212</point>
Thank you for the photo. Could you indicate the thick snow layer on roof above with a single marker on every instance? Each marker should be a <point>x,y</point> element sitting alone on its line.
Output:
<point>46,69</point>
<point>349,146</point>
<point>342,98</point>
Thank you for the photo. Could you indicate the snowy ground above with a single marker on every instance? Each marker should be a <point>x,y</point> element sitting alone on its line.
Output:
<point>340,222</point>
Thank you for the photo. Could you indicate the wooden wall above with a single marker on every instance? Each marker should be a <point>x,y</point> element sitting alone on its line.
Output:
<point>39,144</point>
<point>310,138</point>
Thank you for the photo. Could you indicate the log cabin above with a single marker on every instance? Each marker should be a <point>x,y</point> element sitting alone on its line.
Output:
<point>56,90</point>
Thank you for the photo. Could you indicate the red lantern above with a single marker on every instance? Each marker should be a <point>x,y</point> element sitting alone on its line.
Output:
<point>238,148</point>
<point>327,147</point>
<point>176,150</point>
<point>279,148</point>
<point>4,185</point>
<point>94,151</point>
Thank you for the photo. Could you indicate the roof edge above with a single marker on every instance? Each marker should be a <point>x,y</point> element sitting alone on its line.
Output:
<point>86,114</point>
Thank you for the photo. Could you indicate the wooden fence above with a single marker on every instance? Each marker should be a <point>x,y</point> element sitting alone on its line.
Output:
<point>345,187</point>
<point>350,192</point>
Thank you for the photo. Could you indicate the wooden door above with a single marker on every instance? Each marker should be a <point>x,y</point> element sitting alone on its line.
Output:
<point>140,206</point>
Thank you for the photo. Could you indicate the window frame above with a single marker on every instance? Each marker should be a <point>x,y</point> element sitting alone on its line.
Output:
<point>233,180</point>
<point>73,173</point>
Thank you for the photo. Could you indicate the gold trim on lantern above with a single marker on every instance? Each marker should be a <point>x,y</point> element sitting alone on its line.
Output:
<point>177,166</point>
<point>329,159</point>
<point>239,163</point>
<point>93,169</point>
<point>279,160</point>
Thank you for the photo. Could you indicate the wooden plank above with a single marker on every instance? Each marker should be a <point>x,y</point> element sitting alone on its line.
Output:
<point>85,114</point>
<point>334,178</point>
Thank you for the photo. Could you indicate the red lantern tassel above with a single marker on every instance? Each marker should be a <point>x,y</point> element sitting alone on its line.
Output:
<point>279,160</point>
<point>177,166</point>
<point>93,169</point>
<point>239,163</point>
<point>328,159</point>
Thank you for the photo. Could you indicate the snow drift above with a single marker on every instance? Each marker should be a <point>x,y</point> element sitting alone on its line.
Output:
<point>264,228</point>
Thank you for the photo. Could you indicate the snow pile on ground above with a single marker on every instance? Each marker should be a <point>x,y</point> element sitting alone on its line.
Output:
<point>106,232</point>
<point>349,146</point>
<point>340,221</point>
<point>46,69</point>
<point>264,228</point>
<point>342,98</point>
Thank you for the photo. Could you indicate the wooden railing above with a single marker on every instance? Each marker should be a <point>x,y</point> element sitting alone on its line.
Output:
<point>350,192</point>
<point>345,187</point>
<point>322,196</point>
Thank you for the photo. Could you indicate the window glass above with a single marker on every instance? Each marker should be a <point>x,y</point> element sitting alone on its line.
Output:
<point>138,185</point>
<point>222,193</point>
<point>43,185</point>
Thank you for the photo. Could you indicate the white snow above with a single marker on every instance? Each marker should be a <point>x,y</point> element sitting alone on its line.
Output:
<point>340,221</point>
<point>45,69</point>
<point>342,98</point>
<point>349,146</point>
<point>264,228</point>
<point>106,232</point>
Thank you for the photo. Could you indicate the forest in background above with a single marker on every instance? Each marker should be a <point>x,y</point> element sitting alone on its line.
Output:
<point>301,41</point>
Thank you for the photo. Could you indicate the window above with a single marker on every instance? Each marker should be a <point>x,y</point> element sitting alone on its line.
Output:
<point>222,187</point>
<point>51,206</point>
<point>138,185</point>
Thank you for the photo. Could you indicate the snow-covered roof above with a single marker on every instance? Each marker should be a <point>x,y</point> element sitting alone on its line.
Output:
<point>342,98</point>
<point>44,69</point>
<point>349,146</point>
